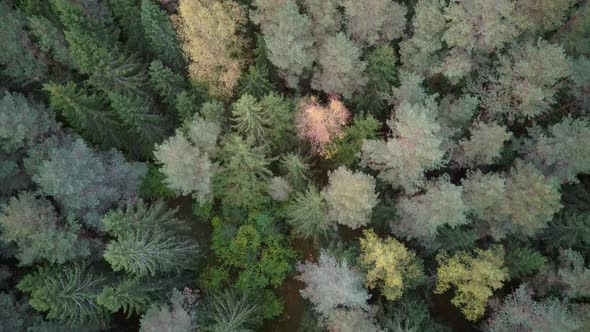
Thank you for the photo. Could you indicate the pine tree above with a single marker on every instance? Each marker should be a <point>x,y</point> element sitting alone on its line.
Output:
<point>243,180</point>
<point>350,197</point>
<point>141,118</point>
<point>166,82</point>
<point>288,38</point>
<point>87,114</point>
<point>307,214</point>
<point>160,35</point>
<point>374,22</point>
<point>23,124</point>
<point>131,295</point>
<point>127,14</point>
<point>569,228</point>
<point>148,240</point>
<point>67,294</point>
<point>381,73</point>
<point>229,311</point>
<point>18,57</point>
<point>330,284</point>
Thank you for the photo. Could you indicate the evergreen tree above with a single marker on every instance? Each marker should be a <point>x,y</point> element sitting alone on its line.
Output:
<point>18,57</point>
<point>148,240</point>
<point>67,294</point>
<point>255,82</point>
<point>127,14</point>
<point>568,228</point>
<point>228,311</point>
<point>50,40</point>
<point>87,114</point>
<point>166,82</point>
<point>307,214</point>
<point>160,35</point>
<point>131,295</point>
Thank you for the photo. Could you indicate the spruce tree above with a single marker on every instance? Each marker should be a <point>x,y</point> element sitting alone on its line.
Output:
<point>160,35</point>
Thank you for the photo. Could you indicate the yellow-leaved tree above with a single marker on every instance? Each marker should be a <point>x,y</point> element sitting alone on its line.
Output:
<point>210,40</point>
<point>474,277</point>
<point>390,265</point>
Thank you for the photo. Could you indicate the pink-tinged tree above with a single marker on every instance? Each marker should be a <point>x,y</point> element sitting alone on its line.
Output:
<point>320,125</point>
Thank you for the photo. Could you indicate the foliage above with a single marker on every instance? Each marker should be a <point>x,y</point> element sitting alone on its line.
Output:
<point>422,215</point>
<point>18,58</point>
<point>520,312</point>
<point>96,181</point>
<point>485,145</point>
<point>474,277</point>
<point>131,295</point>
<point>32,224</point>
<point>413,148</point>
<point>259,255</point>
<point>558,152</point>
<point>228,311</point>
<point>531,198</point>
<point>375,21</point>
<point>160,35</point>
<point>67,295</point>
<point>255,82</point>
<point>21,123</point>
<point>527,80</point>
<point>573,274</point>
<point>287,35</point>
<point>243,180</point>
<point>50,39</point>
<point>185,159</point>
<point>522,261</point>
<point>320,125</point>
<point>296,170</point>
<point>178,316</point>
<point>390,265</point>
<point>148,240</point>
<point>265,120</point>
<point>209,34</point>
<point>340,68</point>
<point>307,214</point>
<point>350,197</point>
<point>330,284</point>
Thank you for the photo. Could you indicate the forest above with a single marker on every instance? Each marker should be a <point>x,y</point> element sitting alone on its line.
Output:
<point>295,165</point>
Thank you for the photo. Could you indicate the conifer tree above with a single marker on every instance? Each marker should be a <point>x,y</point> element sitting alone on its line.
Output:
<point>23,124</point>
<point>18,57</point>
<point>127,14</point>
<point>307,214</point>
<point>50,40</point>
<point>148,240</point>
<point>67,294</point>
<point>166,82</point>
<point>243,179</point>
<point>160,35</point>
<point>87,114</point>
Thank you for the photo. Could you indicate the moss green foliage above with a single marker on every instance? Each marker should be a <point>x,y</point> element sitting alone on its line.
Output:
<point>257,253</point>
<point>522,261</point>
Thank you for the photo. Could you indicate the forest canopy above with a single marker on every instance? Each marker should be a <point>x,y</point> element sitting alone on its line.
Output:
<point>295,165</point>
